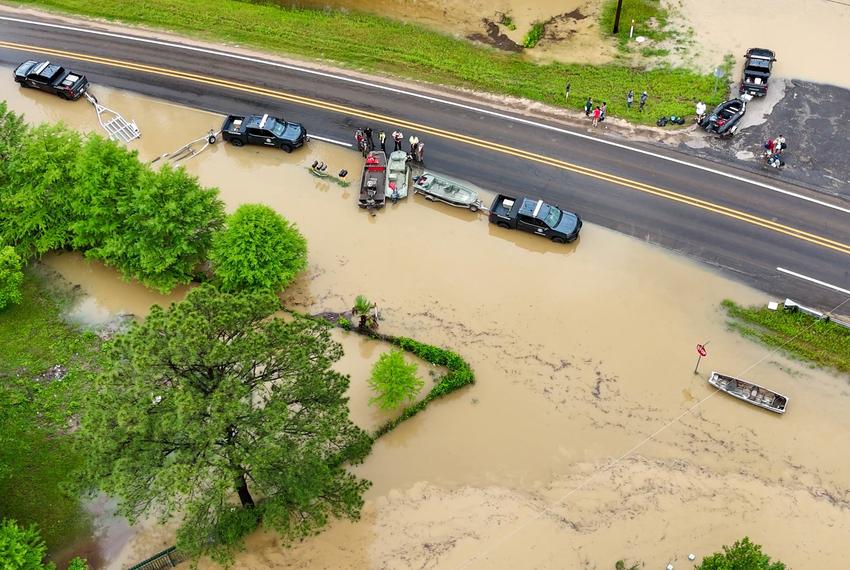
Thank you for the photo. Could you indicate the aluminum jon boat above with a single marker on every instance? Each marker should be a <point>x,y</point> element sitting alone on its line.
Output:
<point>749,392</point>
<point>438,188</point>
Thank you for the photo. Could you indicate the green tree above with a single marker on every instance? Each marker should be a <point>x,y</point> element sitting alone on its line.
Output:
<point>258,250</point>
<point>212,400</point>
<point>743,555</point>
<point>163,228</point>
<point>13,130</point>
<point>21,548</point>
<point>364,309</point>
<point>108,178</point>
<point>35,216</point>
<point>394,380</point>
<point>11,277</point>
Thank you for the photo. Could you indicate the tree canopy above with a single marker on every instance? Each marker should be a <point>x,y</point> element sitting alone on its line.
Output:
<point>11,276</point>
<point>214,399</point>
<point>743,555</point>
<point>21,548</point>
<point>258,250</point>
<point>394,380</point>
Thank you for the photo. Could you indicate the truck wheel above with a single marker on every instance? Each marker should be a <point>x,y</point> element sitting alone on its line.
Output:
<point>285,147</point>
<point>236,142</point>
<point>505,225</point>
<point>559,239</point>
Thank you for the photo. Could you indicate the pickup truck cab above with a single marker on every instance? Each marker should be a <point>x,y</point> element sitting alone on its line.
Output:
<point>264,130</point>
<point>51,78</point>
<point>536,217</point>
<point>757,71</point>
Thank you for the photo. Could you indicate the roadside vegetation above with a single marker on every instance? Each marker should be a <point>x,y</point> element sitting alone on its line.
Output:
<point>797,334</point>
<point>743,555</point>
<point>375,44</point>
<point>651,15</point>
<point>44,366</point>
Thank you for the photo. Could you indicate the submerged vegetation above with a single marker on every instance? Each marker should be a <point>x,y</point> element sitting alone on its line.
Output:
<point>799,335</point>
<point>411,51</point>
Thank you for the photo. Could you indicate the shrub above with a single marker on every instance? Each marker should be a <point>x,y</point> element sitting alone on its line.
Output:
<point>534,35</point>
<point>11,277</point>
<point>394,380</point>
<point>344,323</point>
<point>21,548</point>
<point>258,250</point>
<point>743,555</point>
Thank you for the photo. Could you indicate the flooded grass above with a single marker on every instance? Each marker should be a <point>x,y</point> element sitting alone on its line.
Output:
<point>801,336</point>
<point>409,51</point>
<point>650,16</point>
<point>33,341</point>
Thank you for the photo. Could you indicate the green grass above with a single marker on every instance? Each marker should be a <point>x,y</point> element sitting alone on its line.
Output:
<point>406,50</point>
<point>803,337</point>
<point>649,15</point>
<point>37,457</point>
<point>534,35</point>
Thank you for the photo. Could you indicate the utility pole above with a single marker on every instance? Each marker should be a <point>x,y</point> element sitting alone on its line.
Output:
<point>617,16</point>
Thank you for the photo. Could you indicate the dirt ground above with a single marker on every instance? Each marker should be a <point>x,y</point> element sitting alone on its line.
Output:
<point>587,437</point>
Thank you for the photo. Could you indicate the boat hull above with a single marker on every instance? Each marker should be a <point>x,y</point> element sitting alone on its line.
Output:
<point>749,392</point>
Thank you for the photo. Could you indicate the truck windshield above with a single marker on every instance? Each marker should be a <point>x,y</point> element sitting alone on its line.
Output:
<point>552,216</point>
<point>277,127</point>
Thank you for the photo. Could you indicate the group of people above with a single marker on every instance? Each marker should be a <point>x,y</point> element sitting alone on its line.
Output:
<point>773,151</point>
<point>366,144</point>
<point>597,112</point>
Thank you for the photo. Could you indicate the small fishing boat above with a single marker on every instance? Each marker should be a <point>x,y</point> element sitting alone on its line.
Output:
<point>373,183</point>
<point>448,191</point>
<point>749,392</point>
<point>398,173</point>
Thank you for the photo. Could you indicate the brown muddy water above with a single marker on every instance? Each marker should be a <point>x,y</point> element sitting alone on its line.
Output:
<point>587,437</point>
<point>809,36</point>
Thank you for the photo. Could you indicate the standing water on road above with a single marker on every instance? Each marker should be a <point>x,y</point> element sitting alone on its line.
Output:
<point>581,353</point>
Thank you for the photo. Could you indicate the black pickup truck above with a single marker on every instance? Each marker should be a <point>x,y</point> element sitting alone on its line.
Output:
<point>536,217</point>
<point>51,78</point>
<point>757,71</point>
<point>265,130</point>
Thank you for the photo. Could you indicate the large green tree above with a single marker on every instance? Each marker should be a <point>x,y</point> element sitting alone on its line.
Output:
<point>258,250</point>
<point>394,380</point>
<point>214,400</point>
<point>163,228</point>
<point>743,555</point>
<point>21,548</point>
<point>39,180</point>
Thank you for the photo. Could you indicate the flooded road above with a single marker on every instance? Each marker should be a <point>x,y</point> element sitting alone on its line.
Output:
<point>587,437</point>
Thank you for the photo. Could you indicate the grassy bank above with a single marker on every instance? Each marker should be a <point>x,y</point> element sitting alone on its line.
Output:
<point>375,44</point>
<point>35,457</point>
<point>799,335</point>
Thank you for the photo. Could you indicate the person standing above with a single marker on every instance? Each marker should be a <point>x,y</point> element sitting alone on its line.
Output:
<point>700,110</point>
<point>588,107</point>
<point>603,110</point>
<point>382,138</point>
<point>630,98</point>
<point>361,141</point>
<point>596,113</point>
<point>369,142</point>
<point>643,97</point>
<point>397,138</point>
<point>567,91</point>
<point>413,140</point>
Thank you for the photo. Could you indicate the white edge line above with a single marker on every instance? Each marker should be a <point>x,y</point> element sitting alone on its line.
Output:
<point>332,141</point>
<point>813,280</point>
<point>434,100</point>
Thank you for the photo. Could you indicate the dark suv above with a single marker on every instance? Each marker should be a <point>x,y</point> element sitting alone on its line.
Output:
<point>51,78</point>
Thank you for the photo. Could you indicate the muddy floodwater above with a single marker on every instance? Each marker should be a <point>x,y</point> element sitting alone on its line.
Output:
<point>587,437</point>
<point>809,36</point>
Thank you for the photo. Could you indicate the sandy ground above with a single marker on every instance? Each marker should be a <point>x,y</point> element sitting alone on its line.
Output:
<point>587,438</point>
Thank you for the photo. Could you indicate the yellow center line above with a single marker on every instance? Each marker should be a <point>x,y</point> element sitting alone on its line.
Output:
<point>472,141</point>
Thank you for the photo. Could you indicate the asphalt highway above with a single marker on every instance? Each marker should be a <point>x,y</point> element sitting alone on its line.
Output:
<point>730,222</point>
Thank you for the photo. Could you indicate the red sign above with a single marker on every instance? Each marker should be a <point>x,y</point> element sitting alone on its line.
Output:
<point>701,350</point>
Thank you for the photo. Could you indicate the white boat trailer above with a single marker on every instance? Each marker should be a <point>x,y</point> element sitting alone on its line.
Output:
<point>116,126</point>
<point>189,150</point>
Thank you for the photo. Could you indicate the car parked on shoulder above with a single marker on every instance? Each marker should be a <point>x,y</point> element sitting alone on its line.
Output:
<point>51,78</point>
<point>723,120</point>
<point>757,71</point>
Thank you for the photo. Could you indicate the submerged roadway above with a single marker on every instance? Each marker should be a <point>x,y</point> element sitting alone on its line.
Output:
<point>735,221</point>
